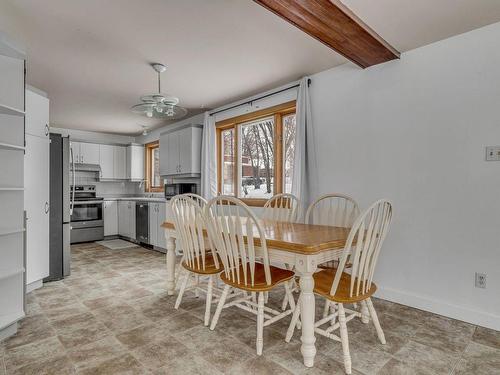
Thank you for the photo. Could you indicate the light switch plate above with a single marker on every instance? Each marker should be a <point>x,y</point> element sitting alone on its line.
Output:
<point>493,153</point>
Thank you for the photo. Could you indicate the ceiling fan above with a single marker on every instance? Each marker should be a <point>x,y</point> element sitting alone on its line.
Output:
<point>159,105</point>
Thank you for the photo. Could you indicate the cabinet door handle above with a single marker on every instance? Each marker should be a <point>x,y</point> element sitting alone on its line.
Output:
<point>46,129</point>
<point>46,207</point>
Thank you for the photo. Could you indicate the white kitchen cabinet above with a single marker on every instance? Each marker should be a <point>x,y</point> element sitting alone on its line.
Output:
<point>126,219</point>
<point>157,214</point>
<point>36,204</point>
<point>110,218</point>
<point>123,219</point>
<point>180,152</point>
<point>85,153</point>
<point>89,153</point>
<point>120,162</point>
<point>36,184</point>
<point>37,114</point>
<point>106,161</point>
<point>135,162</point>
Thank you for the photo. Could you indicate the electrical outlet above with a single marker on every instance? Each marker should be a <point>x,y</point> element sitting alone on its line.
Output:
<point>493,153</point>
<point>480,280</point>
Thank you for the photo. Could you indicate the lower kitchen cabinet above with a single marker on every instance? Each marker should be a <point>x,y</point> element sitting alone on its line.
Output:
<point>126,219</point>
<point>110,218</point>
<point>157,215</point>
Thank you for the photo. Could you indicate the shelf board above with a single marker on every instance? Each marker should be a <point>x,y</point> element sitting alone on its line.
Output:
<point>7,110</point>
<point>6,232</point>
<point>11,273</point>
<point>8,319</point>
<point>8,146</point>
<point>11,189</point>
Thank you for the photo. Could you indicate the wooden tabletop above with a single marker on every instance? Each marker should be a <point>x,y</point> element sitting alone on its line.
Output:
<point>296,237</point>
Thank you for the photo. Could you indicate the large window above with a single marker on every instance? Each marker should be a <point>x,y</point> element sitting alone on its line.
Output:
<point>153,179</point>
<point>256,154</point>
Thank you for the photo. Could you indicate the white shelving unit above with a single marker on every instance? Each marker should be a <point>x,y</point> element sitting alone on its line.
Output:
<point>12,218</point>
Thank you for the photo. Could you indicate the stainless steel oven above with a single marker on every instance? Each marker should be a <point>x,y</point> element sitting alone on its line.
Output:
<point>87,222</point>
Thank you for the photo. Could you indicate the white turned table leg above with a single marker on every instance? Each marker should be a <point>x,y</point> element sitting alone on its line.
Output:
<point>170,265</point>
<point>306,268</point>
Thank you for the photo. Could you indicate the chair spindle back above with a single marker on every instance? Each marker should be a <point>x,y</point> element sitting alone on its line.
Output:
<point>281,207</point>
<point>363,247</point>
<point>335,209</point>
<point>233,230</point>
<point>189,221</point>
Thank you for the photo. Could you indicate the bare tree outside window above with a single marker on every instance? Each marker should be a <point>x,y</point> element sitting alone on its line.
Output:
<point>257,153</point>
<point>257,159</point>
<point>289,131</point>
<point>228,161</point>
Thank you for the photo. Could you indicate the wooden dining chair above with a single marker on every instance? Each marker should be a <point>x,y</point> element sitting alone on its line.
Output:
<point>281,207</point>
<point>202,203</point>
<point>332,209</point>
<point>363,248</point>
<point>198,259</point>
<point>240,243</point>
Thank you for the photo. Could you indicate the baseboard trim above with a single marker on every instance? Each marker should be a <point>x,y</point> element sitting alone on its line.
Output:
<point>34,285</point>
<point>8,331</point>
<point>432,305</point>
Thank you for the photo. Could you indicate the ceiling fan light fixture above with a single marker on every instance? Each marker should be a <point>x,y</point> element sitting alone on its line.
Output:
<point>159,105</point>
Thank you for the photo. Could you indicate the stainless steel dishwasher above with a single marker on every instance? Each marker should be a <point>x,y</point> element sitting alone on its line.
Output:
<point>142,222</point>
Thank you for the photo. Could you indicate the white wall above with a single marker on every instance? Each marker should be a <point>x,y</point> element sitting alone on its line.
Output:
<point>414,131</point>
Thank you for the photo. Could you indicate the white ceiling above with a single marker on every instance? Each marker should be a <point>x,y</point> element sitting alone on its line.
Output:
<point>91,56</point>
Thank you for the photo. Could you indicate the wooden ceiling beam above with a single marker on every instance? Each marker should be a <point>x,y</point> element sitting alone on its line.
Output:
<point>336,26</point>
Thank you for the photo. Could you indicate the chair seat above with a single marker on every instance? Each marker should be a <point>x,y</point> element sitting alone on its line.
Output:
<point>210,267</point>
<point>323,281</point>
<point>278,276</point>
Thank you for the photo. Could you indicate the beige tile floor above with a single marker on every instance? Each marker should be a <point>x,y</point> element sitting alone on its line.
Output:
<point>112,316</point>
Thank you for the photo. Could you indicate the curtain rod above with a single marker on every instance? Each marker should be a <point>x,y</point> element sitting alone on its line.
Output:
<point>259,98</point>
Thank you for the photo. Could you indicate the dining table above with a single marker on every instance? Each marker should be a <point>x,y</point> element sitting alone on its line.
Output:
<point>301,246</point>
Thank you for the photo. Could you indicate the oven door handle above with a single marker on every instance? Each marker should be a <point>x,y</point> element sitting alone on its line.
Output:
<point>81,203</point>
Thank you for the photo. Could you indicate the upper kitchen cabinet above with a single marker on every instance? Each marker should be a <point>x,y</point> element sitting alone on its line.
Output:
<point>180,151</point>
<point>106,161</point>
<point>37,114</point>
<point>135,162</point>
<point>112,160</point>
<point>85,153</point>
<point>119,162</point>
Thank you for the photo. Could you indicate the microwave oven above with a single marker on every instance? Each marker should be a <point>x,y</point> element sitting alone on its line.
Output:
<point>171,190</point>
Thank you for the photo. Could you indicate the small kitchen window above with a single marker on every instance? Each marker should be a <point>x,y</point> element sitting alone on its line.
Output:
<point>153,179</point>
<point>255,154</point>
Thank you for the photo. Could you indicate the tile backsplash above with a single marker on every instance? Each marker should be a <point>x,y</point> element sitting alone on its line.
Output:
<point>107,188</point>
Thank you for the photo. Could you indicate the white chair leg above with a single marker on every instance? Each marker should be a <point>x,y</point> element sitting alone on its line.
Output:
<point>288,293</point>
<point>266,297</point>
<point>293,323</point>
<point>376,323</point>
<point>197,283</point>
<point>344,339</point>
<point>364,313</point>
<point>332,311</point>
<point>326,308</point>
<point>254,299</point>
<point>284,304</point>
<point>209,300</point>
<point>220,305</point>
<point>260,324</point>
<point>181,291</point>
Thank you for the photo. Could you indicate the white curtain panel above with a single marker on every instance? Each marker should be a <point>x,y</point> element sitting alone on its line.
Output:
<point>208,158</point>
<point>305,170</point>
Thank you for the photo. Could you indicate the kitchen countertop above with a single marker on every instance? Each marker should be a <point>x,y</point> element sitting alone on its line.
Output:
<point>136,199</point>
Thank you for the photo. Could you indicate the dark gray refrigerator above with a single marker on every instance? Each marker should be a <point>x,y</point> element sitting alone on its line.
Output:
<point>59,223</point>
